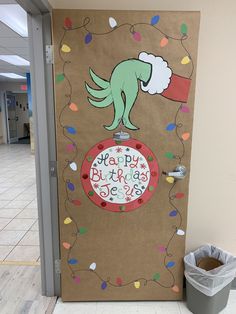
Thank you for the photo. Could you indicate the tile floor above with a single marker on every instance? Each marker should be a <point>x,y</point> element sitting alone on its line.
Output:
<point>134,307</point>
<point>19,239</point>
<point>14,299</point>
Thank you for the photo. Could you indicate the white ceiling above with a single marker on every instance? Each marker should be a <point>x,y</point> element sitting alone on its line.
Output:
<point>14,44</point>
<point>92,4</point>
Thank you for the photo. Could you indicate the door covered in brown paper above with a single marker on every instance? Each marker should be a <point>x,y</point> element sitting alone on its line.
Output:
<point>124,83</point>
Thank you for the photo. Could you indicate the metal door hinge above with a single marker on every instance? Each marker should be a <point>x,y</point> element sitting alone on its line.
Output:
<point>57,266</point>
<point>49,54</point>
<point>53,168</point>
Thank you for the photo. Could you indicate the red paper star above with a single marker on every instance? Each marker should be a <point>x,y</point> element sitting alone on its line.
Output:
<point>118,149</point>
<point>96,186</point>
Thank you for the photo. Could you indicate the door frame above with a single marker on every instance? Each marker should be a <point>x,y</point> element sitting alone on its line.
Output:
<point>39,26</point>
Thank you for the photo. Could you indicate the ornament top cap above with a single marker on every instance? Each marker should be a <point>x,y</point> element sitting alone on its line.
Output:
<point>121,136</point>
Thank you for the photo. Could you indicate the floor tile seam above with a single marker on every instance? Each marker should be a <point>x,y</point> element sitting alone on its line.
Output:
<point>18,243</point>
<point>6,224</point>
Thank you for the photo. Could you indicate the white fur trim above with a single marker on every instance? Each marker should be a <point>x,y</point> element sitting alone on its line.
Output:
<point>161,74</point>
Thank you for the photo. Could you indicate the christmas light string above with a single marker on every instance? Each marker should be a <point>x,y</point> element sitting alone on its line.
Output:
<point>69,186</point>
<point>136,35</point>
<point>69,219</point>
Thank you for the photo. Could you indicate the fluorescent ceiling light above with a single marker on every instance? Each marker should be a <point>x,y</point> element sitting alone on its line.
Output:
<point>14,59</point>
<point>14,17</point>
<point>12,75</point>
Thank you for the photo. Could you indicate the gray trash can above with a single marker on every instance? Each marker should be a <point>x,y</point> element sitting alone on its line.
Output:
<point>207,291</point>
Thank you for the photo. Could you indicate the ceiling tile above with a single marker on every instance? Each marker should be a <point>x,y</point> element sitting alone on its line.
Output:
<point>5,79</point>
<point>20,51</point>
<point>7,2</point>
<point>3,51</point>
<point>13,42</point>
<point>5,31</point>
<point>12,67</point>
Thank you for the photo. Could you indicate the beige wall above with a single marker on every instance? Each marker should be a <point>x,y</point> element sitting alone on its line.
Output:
<point>212,203</point>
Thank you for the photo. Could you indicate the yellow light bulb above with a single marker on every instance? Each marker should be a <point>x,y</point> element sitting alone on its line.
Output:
<point>170,180</point>
<point>67,221</point>
<point>65,48</point>
<point>137,284</point>
<point>185,60</point>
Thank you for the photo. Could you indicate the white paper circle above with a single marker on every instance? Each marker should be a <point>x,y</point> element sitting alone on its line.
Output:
<point>120,174</point>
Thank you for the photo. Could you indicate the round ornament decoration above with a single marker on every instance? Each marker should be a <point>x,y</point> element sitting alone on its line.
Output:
<point>119,175</point>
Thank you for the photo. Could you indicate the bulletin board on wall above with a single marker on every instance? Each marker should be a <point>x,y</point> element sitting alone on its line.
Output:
<point>124,86</point>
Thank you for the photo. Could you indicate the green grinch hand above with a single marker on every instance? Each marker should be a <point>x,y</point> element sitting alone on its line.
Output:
<point>122,89</point>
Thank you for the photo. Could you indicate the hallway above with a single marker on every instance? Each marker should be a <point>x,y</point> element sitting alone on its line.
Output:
<point>19,240</point>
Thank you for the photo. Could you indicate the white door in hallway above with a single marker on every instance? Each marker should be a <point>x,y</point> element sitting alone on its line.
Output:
<point>11,118</point>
